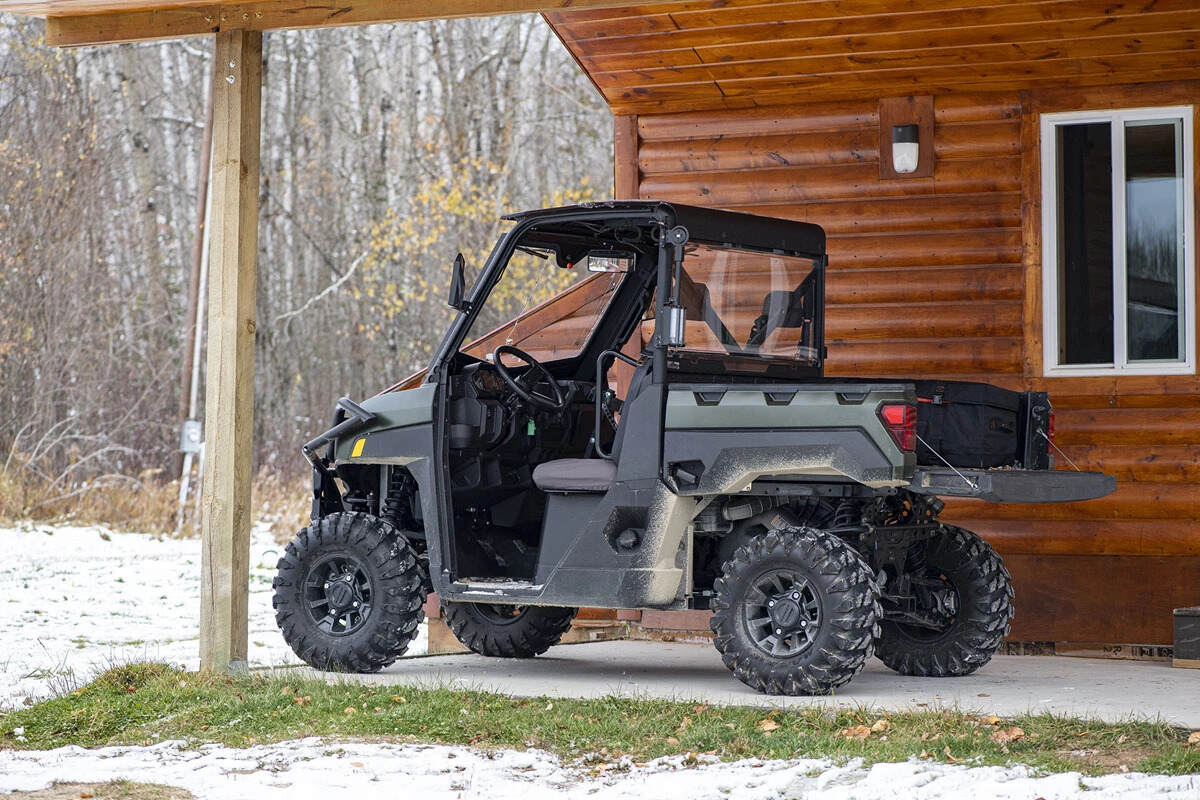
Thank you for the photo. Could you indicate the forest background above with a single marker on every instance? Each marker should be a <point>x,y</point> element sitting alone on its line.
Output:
<point>385,151</point>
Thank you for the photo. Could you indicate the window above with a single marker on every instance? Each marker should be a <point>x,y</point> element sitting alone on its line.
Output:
<point>747,303</point>
<point>1118,259</point>
<point>532,280</point>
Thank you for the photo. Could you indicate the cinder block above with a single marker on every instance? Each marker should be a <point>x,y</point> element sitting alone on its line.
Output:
<point>1187,638</point>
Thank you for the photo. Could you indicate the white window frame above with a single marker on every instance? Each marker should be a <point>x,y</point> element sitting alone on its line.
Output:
<point>1121,364</point>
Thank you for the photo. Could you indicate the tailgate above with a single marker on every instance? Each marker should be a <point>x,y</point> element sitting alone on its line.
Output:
<point>1013,485</point>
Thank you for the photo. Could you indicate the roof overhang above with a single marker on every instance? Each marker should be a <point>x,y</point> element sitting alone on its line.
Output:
<point>83,22</point>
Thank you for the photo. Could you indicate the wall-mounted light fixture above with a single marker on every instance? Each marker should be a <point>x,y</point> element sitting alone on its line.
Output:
<point>906,148</point>
<point>906,137</point>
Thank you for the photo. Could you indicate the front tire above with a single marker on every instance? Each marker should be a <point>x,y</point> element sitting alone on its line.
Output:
<point>504,631</point>
<point>983,610</point>
<point>795,612</point>
<point>349,593</point>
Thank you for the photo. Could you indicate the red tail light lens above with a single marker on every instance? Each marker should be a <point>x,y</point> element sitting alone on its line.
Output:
<point>900,419</point>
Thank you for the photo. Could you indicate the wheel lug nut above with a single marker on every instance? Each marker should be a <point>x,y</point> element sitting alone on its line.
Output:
<point>779,631</point>
<point>770,603</point>
<point>795,595</point>
<point>356,605</point>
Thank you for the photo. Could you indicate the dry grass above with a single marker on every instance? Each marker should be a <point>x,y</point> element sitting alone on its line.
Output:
<point>109,790</point>
<point>146,503</point>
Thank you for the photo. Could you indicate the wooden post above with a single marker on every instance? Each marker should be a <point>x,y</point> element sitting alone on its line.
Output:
<point>229,393</point>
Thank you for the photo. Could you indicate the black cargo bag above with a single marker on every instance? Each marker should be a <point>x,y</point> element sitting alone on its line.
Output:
<point>971,425</point>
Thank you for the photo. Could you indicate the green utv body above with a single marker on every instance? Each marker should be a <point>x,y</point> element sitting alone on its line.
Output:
<point>732,476</point>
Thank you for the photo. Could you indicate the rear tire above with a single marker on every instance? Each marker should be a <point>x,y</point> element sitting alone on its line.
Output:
<point>795,612</point>
<point>502,631</point>
<point>984,612</point>
<point>349,594</point>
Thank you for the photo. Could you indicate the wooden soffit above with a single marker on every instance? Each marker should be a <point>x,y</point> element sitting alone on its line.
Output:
<point>83,22</point>
<point>745,53</point>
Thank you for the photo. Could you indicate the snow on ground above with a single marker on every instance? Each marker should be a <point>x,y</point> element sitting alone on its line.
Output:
<point>76,599</point>
<point>312,768</point>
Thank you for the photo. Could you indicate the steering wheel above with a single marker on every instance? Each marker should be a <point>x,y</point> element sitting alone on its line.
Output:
<point>523,386</point>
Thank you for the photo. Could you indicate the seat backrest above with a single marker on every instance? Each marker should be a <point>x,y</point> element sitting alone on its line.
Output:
<point>639,381</point>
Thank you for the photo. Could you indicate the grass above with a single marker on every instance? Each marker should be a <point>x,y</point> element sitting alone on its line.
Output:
<point>145,703</point>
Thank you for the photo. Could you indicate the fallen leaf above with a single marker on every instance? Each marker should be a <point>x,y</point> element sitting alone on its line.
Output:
<point>1194,739</point>
<point>396,698</point>
<point>1122,739</point>
<point>1006,735</point>
<point>684,725</point>
<point>858,732</point>
<point>356,764</point>
<point>880,726</point>
<point>672,740</point>
<point>351,710</point>
<point>86,795</point>
<point>549,706</point>
<point>991,720</point>
<point>287,690</point>
<point>768,725</point>
<point>302,700</point>
<point>950,756</point>
<point>983,694</point>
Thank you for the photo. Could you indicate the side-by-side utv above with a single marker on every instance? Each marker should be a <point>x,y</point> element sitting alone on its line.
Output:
<point>521,480</point>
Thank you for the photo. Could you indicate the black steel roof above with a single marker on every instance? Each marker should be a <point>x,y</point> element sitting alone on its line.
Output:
<point>704,224</point>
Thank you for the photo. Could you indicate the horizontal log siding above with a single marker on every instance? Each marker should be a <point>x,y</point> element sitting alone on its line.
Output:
<point>928,278</point>
<point>925,275</point>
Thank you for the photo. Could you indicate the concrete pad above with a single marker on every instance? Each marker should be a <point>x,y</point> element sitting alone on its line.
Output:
<point>1108,690</point>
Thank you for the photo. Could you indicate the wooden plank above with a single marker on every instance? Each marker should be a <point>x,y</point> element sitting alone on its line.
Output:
<point>798,185</point>
<point>983,283</point>
<point>229,392</point>
<point>1092,537</point>
<point>923,357</point>
<point>141,20</point>
<point>1141,500</point>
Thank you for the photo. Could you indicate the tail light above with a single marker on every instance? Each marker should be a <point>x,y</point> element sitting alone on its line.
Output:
<point>1050,428</point>
<point>900,419</point>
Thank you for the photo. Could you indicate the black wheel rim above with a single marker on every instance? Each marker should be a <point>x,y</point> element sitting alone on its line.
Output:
<point>338,595</point>
<point>782,613</point>
<point>499,614</point>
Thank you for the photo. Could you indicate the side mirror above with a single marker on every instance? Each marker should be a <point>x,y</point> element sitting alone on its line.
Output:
<point>457,282</point>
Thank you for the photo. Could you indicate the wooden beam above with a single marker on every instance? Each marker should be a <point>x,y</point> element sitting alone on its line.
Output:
<point>229,394</point>
<point>198,19</point>
<point>625,157</point>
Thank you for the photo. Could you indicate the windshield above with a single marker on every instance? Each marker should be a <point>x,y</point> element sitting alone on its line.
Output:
<point>537,307</point>
<point>744,302</point>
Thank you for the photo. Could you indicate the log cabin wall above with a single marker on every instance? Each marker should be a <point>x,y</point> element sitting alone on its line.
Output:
<point>774,108</point>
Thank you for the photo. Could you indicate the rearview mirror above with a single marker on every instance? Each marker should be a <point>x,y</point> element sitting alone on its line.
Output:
<point>609,261</point>
<point>457,282</point>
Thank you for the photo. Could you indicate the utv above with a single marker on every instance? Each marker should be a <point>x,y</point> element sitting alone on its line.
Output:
<point>732,475</point>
